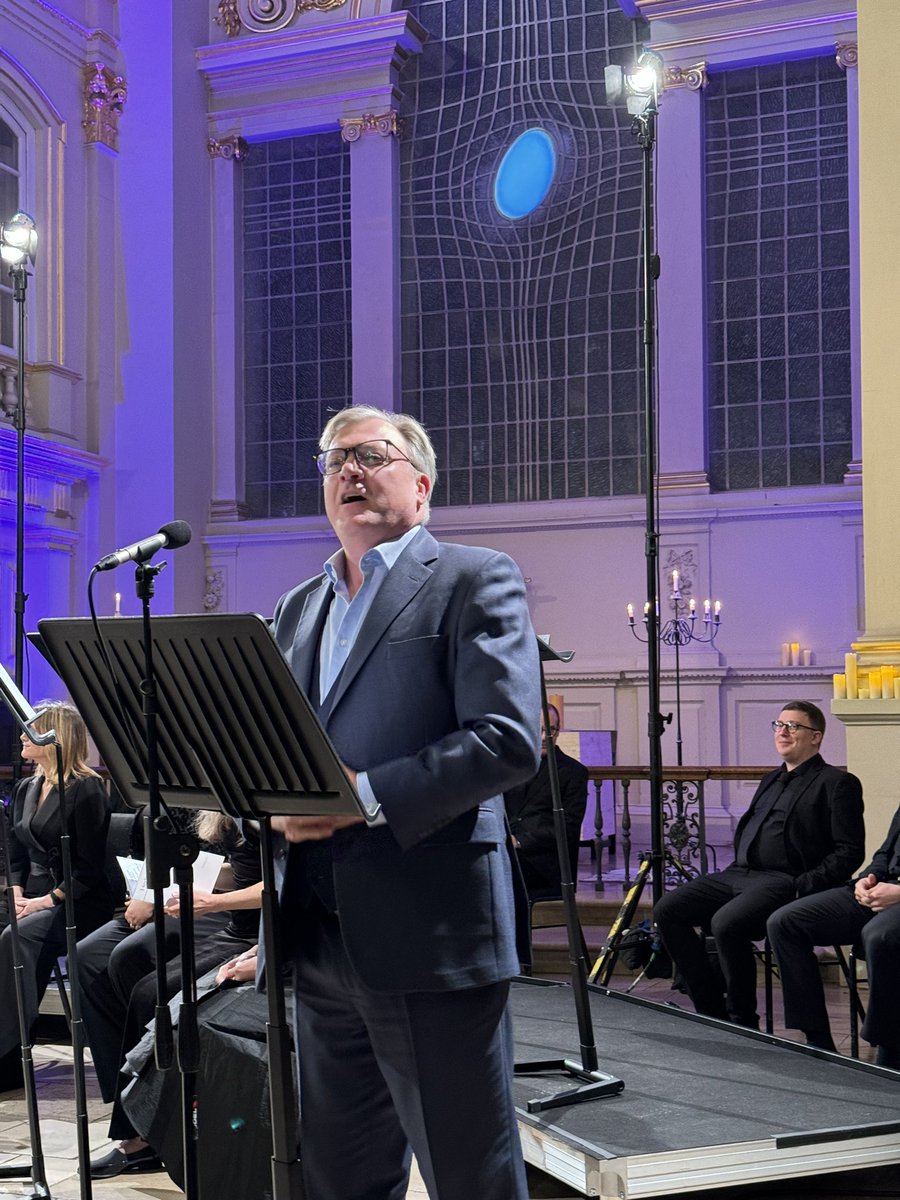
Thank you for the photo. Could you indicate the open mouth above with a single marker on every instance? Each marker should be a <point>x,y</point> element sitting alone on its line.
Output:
<point>352,498</point>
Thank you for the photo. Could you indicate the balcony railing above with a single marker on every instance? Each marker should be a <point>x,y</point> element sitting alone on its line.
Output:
<point>683,816</point>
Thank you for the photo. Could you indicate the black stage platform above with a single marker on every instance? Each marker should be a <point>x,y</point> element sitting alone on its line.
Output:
<point>705,1105</point>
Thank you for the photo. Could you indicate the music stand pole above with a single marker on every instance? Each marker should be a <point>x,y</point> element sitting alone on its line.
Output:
<point>596,1083</point>
<point>169,854</point>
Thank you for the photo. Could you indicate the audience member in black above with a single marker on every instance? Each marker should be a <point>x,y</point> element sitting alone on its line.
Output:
<point>35,869</point>
<point>866,909</point>
<point>117,970</point>
<point>529,808</point>
<point>802,833</point>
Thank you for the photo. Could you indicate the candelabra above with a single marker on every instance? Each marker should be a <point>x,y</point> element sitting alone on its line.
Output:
<point>680,630</point>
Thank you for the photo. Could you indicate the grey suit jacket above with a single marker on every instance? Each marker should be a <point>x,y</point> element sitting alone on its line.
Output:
<point>439,704</point>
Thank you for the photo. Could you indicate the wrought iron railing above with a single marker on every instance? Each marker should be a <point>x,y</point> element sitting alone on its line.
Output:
<point>683,815</point>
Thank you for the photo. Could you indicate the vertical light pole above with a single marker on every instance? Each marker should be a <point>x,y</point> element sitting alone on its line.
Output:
<point>18,245</point>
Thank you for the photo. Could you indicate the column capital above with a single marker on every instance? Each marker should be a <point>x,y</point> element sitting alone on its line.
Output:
<point>103,101</point>
<point>694,78</point>
<point>230,147</point>
<point>387,124</point>
<point>846,55</point>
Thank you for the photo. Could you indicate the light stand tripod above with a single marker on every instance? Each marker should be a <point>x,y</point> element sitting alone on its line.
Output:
<point>595,1083</point>
<point>18,243</point>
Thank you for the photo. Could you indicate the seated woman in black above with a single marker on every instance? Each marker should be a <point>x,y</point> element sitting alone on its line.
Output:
<point>35,869</point>
<point>117,964</point>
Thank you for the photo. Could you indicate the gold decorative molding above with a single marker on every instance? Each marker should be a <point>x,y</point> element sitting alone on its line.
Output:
<point>228,17</point>
<point>694,78</point>
<point>104,98</point>
<point>230,147</point>
<point>266,16</point>
<point>846,55</point>
<point>386,124</point>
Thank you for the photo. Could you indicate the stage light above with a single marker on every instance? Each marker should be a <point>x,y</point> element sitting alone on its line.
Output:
<point>18,240</point>
<point>638,87</point>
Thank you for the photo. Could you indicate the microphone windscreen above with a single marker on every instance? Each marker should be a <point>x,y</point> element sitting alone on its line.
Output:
<point>177,533</point>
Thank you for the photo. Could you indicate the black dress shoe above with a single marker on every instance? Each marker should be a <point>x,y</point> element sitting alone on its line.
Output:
<point>117,1162</point>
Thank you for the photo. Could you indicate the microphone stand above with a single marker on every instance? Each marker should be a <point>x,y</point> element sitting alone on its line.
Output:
<point>595,1083</point>
<point>170,854</point>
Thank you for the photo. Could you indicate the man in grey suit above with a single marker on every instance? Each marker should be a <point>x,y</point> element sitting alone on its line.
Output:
<point>421,662</point>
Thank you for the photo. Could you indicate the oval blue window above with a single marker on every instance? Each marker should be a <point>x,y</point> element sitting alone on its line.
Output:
<point>525,174</point>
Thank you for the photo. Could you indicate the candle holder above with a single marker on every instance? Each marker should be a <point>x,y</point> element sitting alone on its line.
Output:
<point>683,824</point>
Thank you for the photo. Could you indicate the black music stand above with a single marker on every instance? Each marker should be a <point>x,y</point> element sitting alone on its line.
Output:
<point>235,732</point>
<point>595,1083</point>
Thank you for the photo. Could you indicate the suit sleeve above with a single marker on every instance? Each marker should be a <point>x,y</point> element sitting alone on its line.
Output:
<point>493,677</point>
<point>848,838</point>
<point>88,825</point>
<point>882,856</point>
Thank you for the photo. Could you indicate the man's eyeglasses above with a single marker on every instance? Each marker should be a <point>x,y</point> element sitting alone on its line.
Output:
<point>792,726</point>
<point>368,455</point>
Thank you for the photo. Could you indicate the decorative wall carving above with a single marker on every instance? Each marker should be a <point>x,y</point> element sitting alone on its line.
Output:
<point>104,99</point>
<point>233,147</point>
<point>215,589</point>
<point>386,124</point>
<point>693,78</point>
<point>266,16</point>
<point>846,55</point>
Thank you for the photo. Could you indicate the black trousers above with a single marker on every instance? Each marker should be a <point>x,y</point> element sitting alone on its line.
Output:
<point>117,967</point>
<point>835,918</point>
<point>733,906</point>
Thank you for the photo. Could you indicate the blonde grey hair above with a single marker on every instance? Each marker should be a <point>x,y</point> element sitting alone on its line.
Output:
<point>71,733</point>
<point>416,442</point>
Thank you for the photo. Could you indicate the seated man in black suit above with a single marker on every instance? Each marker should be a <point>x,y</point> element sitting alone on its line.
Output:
<point>802,833</point>
<point>866,909</point>
<point>529,808</point>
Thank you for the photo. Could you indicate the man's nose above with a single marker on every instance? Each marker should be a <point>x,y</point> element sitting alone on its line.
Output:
<point>351,468</point>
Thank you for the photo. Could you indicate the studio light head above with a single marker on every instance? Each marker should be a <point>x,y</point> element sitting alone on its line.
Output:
<point>18,240</point>
<point>636,87</point>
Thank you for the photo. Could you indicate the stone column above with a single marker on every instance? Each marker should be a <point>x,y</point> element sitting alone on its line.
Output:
<point>375,242</point>
<point>681,242</point>
<point>873,727</point>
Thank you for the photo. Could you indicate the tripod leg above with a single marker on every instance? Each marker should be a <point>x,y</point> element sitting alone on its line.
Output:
<point>606,960</point>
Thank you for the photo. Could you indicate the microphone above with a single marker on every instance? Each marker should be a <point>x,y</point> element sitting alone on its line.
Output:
<point>173,535</point>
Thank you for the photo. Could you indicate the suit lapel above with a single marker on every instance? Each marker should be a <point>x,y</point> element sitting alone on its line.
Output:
<point>404,581</point>
<point>306,639</point>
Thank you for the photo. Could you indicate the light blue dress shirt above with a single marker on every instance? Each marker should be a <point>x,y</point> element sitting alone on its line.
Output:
<point>345,619</point>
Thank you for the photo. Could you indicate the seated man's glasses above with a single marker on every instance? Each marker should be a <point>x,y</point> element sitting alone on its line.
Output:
<point>792,726</point>
<point>369,455</point>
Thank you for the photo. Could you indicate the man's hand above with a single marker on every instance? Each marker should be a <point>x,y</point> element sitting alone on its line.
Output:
<point>312,829</point>
<point>877,896</point>
<point>240,969</point>
<point>138,913</point>
<point>204,902</point>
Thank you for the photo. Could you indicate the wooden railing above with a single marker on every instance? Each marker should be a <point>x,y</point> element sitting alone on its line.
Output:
<point>684,812</point>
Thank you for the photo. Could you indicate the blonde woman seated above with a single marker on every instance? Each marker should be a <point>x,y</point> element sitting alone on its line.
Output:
<point>35,869</point>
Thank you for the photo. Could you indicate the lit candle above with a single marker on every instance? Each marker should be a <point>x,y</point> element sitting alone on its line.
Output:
<point>118,611</point>
<point>646,609</point>
<point>897,687</point>
<point>674,581</point>
<point>840,686</point>
<point>875,684</point>
<point>795,654</point>
<point>850,671</point>
<point>862,692</point>
<point>718,610</point>
<point>692,604</point>
<point>887,682</point>
<point>629,608</point>
<point>707,605</point>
